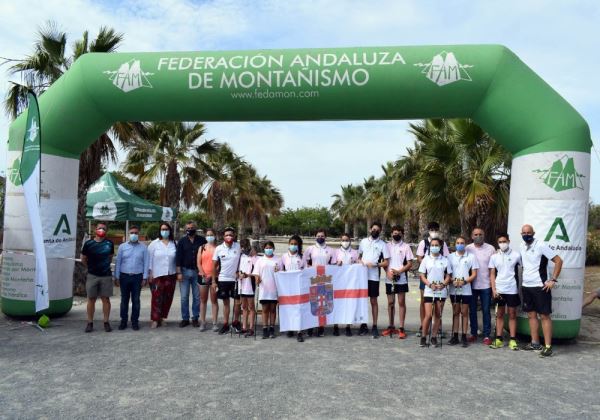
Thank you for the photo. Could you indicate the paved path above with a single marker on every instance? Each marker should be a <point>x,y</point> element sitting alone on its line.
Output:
<point>183,373</point>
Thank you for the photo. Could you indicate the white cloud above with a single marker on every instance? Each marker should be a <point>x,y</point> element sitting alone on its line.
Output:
<point>559,42</point>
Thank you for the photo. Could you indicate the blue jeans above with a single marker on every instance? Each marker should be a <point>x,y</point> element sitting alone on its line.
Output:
<point>190,280</point>
<point>131,286</point>
<point>486,299</point>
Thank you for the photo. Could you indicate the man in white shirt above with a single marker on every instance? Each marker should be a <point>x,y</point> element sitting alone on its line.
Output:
<point>374,254</point>
<point>226,262</point>
<point>396,279</point>
<point>536,288</point>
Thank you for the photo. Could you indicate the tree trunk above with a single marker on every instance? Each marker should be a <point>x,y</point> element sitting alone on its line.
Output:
<point>346,227</point>
<point>355,230</point>
<point>422,225</point>
<point>445,232</point>
<point>172,191</point>
<point>369,221</point>
<point>255,226</point>
<point>218,212</point>
<point>242,228</point>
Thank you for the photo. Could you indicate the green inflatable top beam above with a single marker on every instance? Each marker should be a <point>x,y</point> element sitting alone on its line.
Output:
<point>487,83</point>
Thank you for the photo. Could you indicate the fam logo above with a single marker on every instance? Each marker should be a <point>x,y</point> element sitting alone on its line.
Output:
<point>167,214</point>
<point>105,210</point>
<point>129,76</point>
<point>561,175</point>
<point>444,69</point>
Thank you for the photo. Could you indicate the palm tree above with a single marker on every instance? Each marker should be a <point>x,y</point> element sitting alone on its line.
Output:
<point>38,71</point>
<point>175,156</point>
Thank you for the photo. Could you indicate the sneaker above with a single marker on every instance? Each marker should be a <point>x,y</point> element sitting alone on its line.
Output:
<point>272,332</point>
<point>388,331</point>
<point>154,325</point>
<point>249,333</point>
<point>309,332</point>
<point>195,323</point>
<point>215,327</point>
<point>135,326</point>
<point>202,326</point>
<point>453,341</point>
<point>375,332</point>
<point>265,332</point>
<point>533,347</point>
<point>122,325</point>
<point>348,332</point>
<point>184,323</point>
<point>401,334</point>
<point>512,344</point>
<point>546,351</point>
<point>236,327</point>
<point>464,342</point>
<point>497,344</point>
<point>107,327</point>
<point>290,334</point>
<point>423,342</point>
<point>300,338</point>
<point>321,332</point>
<point>363,330</point>
<point>420,332</point>
<point>472,339</point>
<point>434,342</point>
<point>89,327</point>
<point>224,329</point>
<point>487,341</point>
<point>336,330</point>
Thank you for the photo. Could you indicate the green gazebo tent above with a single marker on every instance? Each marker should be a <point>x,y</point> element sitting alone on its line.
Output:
<point>108,200</point>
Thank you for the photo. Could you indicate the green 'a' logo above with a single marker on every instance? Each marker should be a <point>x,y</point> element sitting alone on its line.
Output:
<point>563,236</point>
<point>59,226</point>
<point>562,175</point>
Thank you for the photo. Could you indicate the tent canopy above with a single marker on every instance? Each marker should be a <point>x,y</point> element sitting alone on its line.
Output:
<point>108,200</point>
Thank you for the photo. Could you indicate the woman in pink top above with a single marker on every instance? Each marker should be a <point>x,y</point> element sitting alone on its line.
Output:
<point>205,269</point>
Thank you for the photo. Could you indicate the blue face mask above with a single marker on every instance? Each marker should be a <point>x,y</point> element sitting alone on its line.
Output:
<point>210,239</point>
<point>293,248</point>
<point>269,252</point>
<point>527,238</point>
<point>133,237</point>
<point>460,247</point>
<point>164,234</point>
<point>435,249</point>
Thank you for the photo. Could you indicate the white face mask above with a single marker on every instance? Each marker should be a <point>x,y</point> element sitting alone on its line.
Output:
<point>503,246</point>
<point>434,234</point>
<point>345,244</point>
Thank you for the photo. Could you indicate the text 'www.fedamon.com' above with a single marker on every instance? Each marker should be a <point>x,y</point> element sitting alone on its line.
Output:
<point>274,94</point>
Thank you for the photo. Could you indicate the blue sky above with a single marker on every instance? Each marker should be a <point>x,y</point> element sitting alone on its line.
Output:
<point>309,161</point>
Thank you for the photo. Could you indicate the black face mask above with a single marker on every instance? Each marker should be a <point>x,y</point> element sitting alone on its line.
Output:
<point>397,238</point>
<point>320,241</point>
<point>190,232</point>
<point>375,234</point>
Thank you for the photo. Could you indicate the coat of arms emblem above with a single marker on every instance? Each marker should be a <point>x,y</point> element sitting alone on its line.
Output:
<point>321,295</point>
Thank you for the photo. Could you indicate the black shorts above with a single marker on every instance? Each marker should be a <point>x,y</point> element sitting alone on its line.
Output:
<point>247,296</point>
<point>204,281</point>
<point>398,288</point>
<point>537,300</point>
<point>227,290</point>
<point>512,301</point>
<point>373,288</point>
<point>462,299</point>
<point>267,301</point>
<point>429,299</point>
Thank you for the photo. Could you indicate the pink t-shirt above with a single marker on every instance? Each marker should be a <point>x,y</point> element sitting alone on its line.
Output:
<point>346,256</point>
<point>319,255</point>
<point>483,254</point>
<point>400,254</point>
<point>265,267</point>
<point>421,249</point>
<point>292,262</point>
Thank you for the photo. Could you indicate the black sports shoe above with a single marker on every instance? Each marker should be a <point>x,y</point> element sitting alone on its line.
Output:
<point>272,332</point>
<point>375,332</point>
<point>184,323</point>
<point>420,332</point>
<point>123,325</point>
<point>423,342</point>
<point>546,351</point>
<point>320,331</point>
<point>533,347</point>
<point>453,341</point>
<point>434,342</point>
<point>107,327</point>
<point>363,330</point>
<point>236,327</point>
<point>89,327</point>
<point>135,326</point>
<point>348,332</point>
<point>249,333</point>
<point>309,332</point>
<point>224,329</point>
<point>195,323</point>
<point>336,331</point>
<point>300,338</point>
<point>464,341</point>
<point>265,332</point>
<point>290,334</point>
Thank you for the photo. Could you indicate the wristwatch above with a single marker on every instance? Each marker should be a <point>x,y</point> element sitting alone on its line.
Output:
<point>554,280</point>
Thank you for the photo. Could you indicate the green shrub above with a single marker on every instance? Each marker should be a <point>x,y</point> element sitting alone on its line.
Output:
<point>593,249</point>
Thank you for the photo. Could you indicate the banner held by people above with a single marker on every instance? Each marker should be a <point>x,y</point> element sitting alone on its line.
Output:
<point>322,295</point>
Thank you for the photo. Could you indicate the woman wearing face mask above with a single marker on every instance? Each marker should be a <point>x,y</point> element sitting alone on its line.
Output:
<point>264,272</point>
<point>464,271</point>
<point>247,287</point>
<point>205,272</point>
<point>292,260</point>
<point>162,274</point>
<point>345,255</point>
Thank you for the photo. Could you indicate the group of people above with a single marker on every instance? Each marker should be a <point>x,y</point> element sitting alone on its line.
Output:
<point>234,271</point>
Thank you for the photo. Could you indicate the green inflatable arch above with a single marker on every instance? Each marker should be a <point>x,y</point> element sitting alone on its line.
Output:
<point>550,141</point>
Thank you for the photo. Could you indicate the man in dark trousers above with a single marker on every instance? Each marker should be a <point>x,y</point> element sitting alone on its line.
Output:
<point>187,273</point>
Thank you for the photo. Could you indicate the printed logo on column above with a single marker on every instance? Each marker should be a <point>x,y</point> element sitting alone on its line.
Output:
<point>562,175</point>
<point>445,68</point>
<point>129,76</point>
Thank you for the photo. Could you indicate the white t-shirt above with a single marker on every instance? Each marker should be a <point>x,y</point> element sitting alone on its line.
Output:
<point>319,255</point>
<point>435,269</point>
<point>400,255</point>
<point>346,256</point>
<point>535,258</point>
<point>229,258</point>
<point>461,265</point>
<point>506,265</point>
<point>292,262</point>
<point>246,267</point>
<point>161,258</point>
<point>370,250</point>
<point>265,268</point>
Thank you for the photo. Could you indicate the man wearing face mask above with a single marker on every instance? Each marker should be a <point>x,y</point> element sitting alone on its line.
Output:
<point>187,273</point>
<point>424,249</point>
<point>226,263</point>
<point>536,288</point>
<point>131,273</point>
<point>374,254</point>
<point>481,287</point>
<point>97,255</point>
